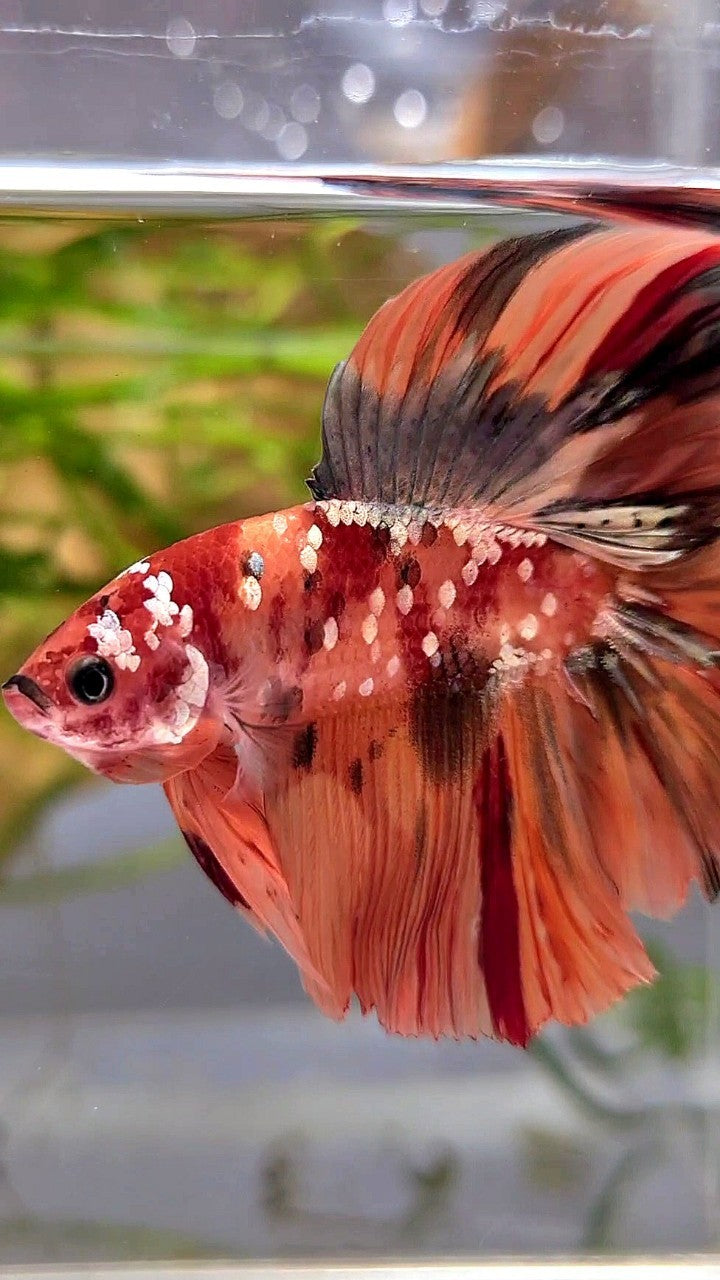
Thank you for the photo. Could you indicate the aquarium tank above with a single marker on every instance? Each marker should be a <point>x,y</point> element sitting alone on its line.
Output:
<point>202,202</point>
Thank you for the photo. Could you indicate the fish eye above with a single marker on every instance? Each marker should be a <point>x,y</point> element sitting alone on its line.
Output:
<point>91,680</point>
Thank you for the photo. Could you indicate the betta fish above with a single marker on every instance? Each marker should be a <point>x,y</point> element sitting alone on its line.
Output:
<point>443,727</point>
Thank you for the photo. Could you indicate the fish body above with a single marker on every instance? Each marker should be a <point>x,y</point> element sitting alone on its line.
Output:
<point>425,728</point>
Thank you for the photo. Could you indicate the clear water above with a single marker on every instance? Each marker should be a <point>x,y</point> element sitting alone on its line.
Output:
<point>165,1088</point>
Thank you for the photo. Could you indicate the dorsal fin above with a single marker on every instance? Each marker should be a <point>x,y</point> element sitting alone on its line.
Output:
<point>554,375</point>
<point>407,404</point>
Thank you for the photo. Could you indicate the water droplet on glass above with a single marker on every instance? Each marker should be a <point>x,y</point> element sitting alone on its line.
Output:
<point>292,141</point>
<point>410,109</point>
<point>358,83</point>
<point>228,100</point>
<point>548,125</point>
<point>305,104</point>
<point>180,37</point>
<point>399,12</point>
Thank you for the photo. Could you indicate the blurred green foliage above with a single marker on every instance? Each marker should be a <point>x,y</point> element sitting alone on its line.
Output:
<point>154,381</point>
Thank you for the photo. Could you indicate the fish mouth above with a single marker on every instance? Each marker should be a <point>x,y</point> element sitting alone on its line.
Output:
<point>30,690</point>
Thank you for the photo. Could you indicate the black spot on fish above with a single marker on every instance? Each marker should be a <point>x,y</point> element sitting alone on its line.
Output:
<point>311,581</point>
<point>356,776</point>
<point>429,534</point>
<point>410,573</point>
<point>305,746</point>
<point>103,603</point>
<point>380,540</point>
<point>375,750</point>
<point>206,859</point>
<point>314,636</point>
<point>336,605</point>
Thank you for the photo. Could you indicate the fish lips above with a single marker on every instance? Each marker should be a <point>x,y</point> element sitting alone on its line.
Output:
<point>28,704</point>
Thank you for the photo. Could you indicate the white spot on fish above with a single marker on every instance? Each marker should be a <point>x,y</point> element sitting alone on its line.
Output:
<point>250,593</point>
<point>280,523</point>
<point>339,691</point>
<point>314,537</point>
<point>430,644</point>
<point>375,650</point>
<point>404,600</point>
<point>525,570</point>
<point>332,511</point>
<point>529,627</point>
<point>369,628</point>
<point>330,633</point>
<point>549,605</point>
<point>494,552</point>
<point>376,601</point>
<point>185,620</point>
<point>469,573</point>
<point>140,566</point>
<point>446,594</point>
<point>461,533</point>
<point>308,559</point>
<point>113,641</point>
<point>161,605</point>
<point>151,640</point>
<point>393,666</point>
<point>366,688</point>
<point>195,685</point>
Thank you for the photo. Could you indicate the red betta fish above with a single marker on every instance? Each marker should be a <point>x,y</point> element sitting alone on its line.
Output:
<point>440,729</point>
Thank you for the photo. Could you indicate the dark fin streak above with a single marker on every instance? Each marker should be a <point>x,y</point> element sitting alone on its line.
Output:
<point>409,440</point>
<point>499,944</point>
<point>206,859</point>
<point>441,722</point>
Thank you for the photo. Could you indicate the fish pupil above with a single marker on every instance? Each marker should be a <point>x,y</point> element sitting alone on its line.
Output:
<point>91,680</point>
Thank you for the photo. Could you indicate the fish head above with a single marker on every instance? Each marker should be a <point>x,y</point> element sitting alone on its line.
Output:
<point>120,686</point>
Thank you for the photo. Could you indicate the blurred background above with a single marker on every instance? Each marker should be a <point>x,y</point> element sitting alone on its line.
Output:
<point>166,1090</point>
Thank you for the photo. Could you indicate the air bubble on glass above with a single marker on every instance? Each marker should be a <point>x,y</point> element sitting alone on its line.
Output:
<point>255,112</point>
<point>399,12</point>
<point>228,100</point>
<point>273,126</point>
<point>180,37</point>
<point>292,141</point>
<point>410,109</point>
<point>358,83</point>
<point>305,104</point>
<point>548,125</point>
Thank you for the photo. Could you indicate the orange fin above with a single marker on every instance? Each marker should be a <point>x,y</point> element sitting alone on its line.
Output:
<point>382,863</point>
<point>455,896</point>
<point>230,841</point>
